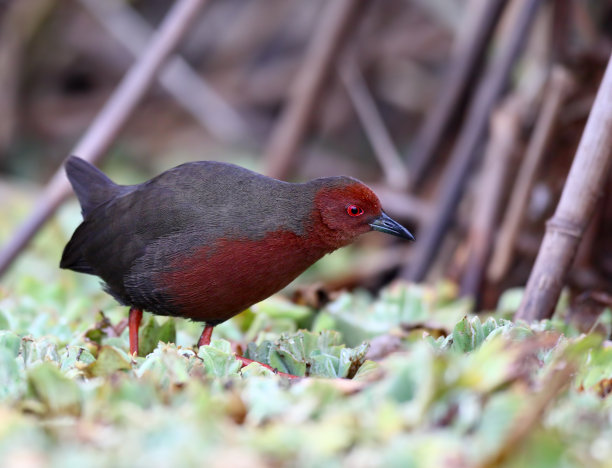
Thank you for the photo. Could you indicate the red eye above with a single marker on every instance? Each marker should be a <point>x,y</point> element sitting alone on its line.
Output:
<point>354,210</point>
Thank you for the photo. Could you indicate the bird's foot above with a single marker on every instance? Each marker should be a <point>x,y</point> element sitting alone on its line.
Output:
<point>245,362</point>
<point>205,340</point>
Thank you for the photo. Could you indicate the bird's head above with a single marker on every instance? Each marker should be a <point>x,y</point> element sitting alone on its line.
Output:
<point>349,208</point>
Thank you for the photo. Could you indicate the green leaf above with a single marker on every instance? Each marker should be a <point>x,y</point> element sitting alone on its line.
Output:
<point>218,359</point>
<point>4,323</point>
<point>34,352</point>
<point>277,307</point>
<point>12,383</point>
<point>468,334</point>
<point>150,334</point>
<point>510,300</point>
<point>10,342</point>
<point>167,331</point>
<point>307,353</point>
<point>57,393</point>
<point>74,358</point>
<point>110,360</point>
<point>369,370</point>
<point>100,330</point>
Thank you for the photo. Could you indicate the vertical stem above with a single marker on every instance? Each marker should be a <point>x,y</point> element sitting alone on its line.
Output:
<point>338,16</point>
<point>505,125</point>
<point>584,186</point>
<point>456,82</point>
<point>558,87</point>
<point>466,151</point>
<point>373,125</point>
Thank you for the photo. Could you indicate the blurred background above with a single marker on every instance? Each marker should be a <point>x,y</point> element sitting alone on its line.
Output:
<point>463,115</point>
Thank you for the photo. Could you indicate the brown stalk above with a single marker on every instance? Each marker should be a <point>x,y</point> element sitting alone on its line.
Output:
<point>373,125</point>
<point>558,87</point>
<point>461,69</point>
<point>337,19</point>
<point>505,126</point>
<point>109,120</point>
<point>583,188</point>
<point>403,205</point>
<point>177,77</point>
<point>466,151</point>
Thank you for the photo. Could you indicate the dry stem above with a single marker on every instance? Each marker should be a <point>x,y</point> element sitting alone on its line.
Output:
<point>177,77</point>
<point>584,186</point>
<point>557,89</point>
<point>371,120</point>
<point>293,123</point>
<point>505,125</point>
<point>466,150</point>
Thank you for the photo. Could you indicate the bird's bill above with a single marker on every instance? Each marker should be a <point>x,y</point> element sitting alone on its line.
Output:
<point>388,225</point>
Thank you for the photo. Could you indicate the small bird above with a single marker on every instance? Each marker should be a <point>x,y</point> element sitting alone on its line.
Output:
<point>206,240</point>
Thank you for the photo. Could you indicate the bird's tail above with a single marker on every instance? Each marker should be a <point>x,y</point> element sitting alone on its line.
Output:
<point>91,185</point>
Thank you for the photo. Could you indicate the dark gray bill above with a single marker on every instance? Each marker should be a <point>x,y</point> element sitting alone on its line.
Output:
<point>386,224</point>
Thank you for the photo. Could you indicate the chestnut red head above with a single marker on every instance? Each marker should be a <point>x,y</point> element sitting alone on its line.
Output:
<point>349,208</point>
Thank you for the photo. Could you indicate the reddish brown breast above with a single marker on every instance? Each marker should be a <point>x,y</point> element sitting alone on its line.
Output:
<point>220,281</point>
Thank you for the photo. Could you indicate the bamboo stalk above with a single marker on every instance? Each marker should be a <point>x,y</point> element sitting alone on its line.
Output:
<point>558,87</point>
<point>108,122</point>
<point>456,82</point>
<point>505,126</point>
<point>466,151</point>
<point>584,186</point>
<point>181,81</point>
<point>373,125</point>
<point>293,123</point>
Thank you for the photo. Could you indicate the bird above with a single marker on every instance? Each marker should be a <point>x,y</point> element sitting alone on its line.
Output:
<point>206,240</point>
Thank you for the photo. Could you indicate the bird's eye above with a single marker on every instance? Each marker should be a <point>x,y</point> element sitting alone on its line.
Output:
<point>354,210</point>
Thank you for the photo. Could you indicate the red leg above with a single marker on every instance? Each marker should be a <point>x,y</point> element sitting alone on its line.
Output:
<point>206,335</point>
<point>205,340</point>
<point>246,362</point>
<point>134,324</point>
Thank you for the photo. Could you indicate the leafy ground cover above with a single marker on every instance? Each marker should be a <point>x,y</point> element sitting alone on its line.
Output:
<point>405,378</point>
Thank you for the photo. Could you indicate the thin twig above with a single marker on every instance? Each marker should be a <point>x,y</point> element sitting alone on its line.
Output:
<point>337,18</point>
<point>465,153</point>
<point>403,205</point>
<point>371,120</point>
<point>557,89</point>
<point>505,125</point>
<point>584,186</point>
<point>109,120</point>
<point>463,66</point>
<point>177,76</point>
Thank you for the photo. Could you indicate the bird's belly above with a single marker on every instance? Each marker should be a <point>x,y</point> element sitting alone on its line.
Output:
<point>214,284</point>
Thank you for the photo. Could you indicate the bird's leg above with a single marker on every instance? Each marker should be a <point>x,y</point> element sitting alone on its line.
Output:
<point>205,336</point>
<point>134,325</point>
<point>245,362</point>
<point>205,340</point>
